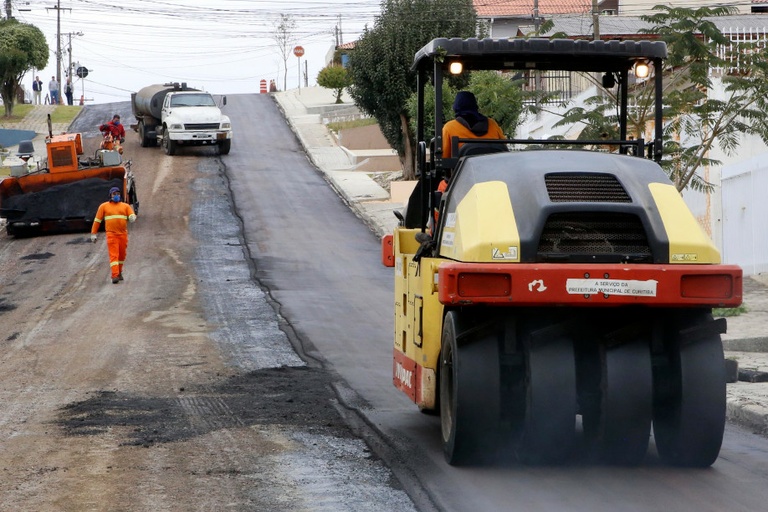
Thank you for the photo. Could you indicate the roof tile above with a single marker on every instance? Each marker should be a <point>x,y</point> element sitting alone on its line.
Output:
<point>490,8</point>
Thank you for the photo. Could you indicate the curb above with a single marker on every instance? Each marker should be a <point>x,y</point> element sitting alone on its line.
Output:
<point>748,415</point>
<point>757,344</point>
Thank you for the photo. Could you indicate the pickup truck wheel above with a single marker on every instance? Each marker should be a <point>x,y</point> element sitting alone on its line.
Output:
<point>169,146</point>
<point>224,147</point>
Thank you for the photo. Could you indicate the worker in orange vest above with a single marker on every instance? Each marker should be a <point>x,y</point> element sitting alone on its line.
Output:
<point>116,215</point>
<point>468,123</point>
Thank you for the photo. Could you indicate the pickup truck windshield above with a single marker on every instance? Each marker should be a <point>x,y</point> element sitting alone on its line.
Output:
<point>193,100</point>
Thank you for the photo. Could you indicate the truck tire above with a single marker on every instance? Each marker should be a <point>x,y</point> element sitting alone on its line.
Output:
<point>224,146</point>
<point>144,140</point>
<point>169,146</point>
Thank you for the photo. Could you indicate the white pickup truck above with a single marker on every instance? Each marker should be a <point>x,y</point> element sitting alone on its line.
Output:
<point>174,115</point>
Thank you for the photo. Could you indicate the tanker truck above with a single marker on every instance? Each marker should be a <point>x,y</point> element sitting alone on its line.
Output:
<point>175,115</point>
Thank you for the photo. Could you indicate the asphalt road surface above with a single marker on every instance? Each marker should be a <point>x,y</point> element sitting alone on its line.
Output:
<point>255,315</point>
<point>322,266</point>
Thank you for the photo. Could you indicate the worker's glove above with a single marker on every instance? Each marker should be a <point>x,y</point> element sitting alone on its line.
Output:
<point>132,217</point>
<point>122,139</point>
<point>93,238</point>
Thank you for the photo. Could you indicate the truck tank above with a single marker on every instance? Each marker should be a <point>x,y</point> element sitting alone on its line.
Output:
<point>149,100</point>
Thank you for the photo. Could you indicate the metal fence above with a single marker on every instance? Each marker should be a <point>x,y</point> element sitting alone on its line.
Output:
<point>744,42</point>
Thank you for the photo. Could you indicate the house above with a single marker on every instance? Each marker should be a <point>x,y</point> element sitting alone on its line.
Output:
<point>640,7</point>
<point>512,18</point>
<point>509,18</point>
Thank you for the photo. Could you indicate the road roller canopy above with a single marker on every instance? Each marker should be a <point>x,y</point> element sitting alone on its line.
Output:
<point>539,54</point>
<point>620,63</point>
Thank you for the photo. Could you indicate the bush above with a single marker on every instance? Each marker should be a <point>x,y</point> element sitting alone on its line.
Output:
<point>334,77</point>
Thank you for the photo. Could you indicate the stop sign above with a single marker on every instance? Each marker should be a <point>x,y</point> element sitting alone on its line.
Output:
<point>82,72</point>
<point>298,51</point>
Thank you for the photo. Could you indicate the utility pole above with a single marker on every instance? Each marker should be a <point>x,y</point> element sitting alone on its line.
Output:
<point>8,10</point>
<point>596,19</point>
<point>58,44</point>
<point>69,50</point>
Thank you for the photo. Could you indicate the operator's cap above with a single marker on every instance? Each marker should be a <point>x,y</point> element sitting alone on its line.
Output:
<point>113,190</point>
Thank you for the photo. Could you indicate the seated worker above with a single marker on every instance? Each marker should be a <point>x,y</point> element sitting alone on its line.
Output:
<point>114,128</point>
<point>469,123</point>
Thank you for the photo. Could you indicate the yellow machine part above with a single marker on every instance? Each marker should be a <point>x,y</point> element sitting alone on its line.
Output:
<point>468,236</point>
<point>688,243</point>
<point>418,312</point>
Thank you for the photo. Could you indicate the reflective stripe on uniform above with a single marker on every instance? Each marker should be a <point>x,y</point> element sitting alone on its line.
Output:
<point>111,217</point>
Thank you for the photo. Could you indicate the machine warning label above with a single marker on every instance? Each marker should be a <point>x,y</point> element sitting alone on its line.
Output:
<point>685,257</point>
<point>509,254</point>
<point>611,287</point>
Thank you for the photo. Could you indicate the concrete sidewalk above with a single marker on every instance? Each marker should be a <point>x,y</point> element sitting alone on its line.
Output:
<point>747,337</point>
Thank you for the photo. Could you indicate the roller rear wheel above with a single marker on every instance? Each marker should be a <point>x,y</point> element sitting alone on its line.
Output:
<point>689,407</point>
<point>618,428</point>
<point>547,429</point>
<point>469,391</point>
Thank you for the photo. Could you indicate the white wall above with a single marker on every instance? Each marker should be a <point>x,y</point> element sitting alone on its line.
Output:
<point>640,7</point>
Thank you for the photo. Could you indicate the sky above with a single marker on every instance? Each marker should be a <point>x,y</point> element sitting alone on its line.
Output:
<point>221,46</point>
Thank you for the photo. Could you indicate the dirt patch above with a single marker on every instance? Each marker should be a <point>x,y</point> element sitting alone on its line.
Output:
<point>384,178</point>
<point>286,396</point>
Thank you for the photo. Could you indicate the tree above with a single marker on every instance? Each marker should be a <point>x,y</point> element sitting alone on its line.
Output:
<point>692,113</point>
<point>380,64</point>
<point>22,47</point>
<point>499,97</point>
<point>334,77</point>
<point>695,120</point>
<point>284,39</point>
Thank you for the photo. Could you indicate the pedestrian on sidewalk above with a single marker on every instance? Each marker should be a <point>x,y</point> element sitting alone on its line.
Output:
<point>53,90</point>
<point>116,215</point>
<point>69,92</point>
<point>37,88</point>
